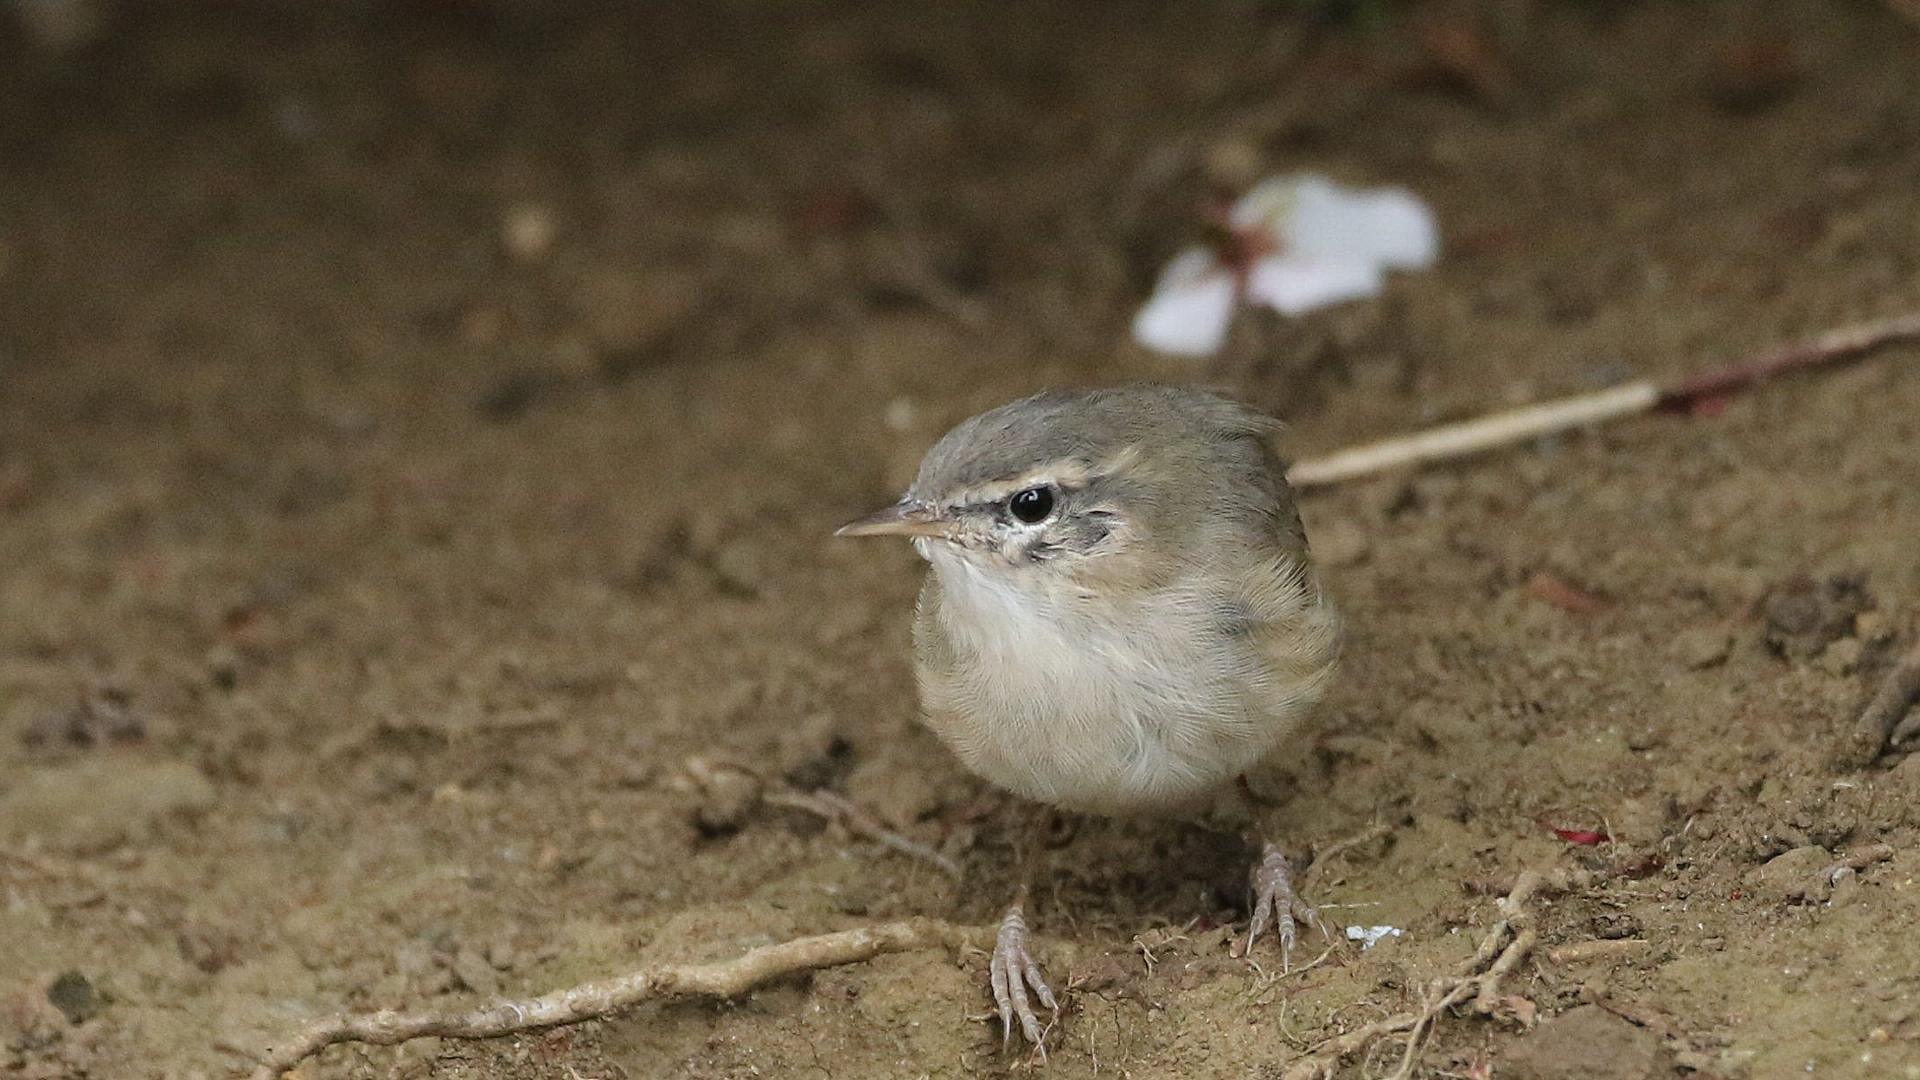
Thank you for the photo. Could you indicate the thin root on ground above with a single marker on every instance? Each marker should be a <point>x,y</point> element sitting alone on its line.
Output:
<point>604,997</point>
<point>1478,985</point>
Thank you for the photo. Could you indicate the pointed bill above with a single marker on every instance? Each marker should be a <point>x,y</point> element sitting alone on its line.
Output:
<point>904,518</point>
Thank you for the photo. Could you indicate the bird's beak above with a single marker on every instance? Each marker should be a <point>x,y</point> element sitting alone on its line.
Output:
<point>904,518</point>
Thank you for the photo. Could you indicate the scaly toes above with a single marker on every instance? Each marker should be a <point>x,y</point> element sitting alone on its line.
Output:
<point>1012,973</point>
<point>1274,902</point>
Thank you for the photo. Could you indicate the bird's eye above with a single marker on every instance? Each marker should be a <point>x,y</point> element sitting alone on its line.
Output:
<point>1031,505</point>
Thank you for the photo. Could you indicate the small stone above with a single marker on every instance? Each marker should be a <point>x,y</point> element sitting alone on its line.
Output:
<point>527,231</point>
<point>1586,1043</point>
<point>414,957</point>
<point>1805,616</point>
<point>501,954</point>
<point>1841,657</point>
<point>881,786</point>
<point>74,996</point>
<point>1793,877</point>
<point>728,795</point>
<point>742,566</point>
<point>1701,647</point>
<point>100,801</point>
<point>813,754</point>
<point>1615,925</point>
<point>475,972</point>
<point>206,947</point>
<point>1872,626</point>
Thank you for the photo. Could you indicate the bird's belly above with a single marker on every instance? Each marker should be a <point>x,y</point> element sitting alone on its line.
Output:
<point>1103,729</point>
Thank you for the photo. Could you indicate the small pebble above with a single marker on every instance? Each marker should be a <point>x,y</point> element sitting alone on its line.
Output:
<point>1840,657</point>
<point>473,969</point>
<point>1873,626</point>
<point>501,954</point>
<point>1794,876</point>
<point>74,996</point>
<point>527,231</point>
<point>727,797</point>
<point>1701,647</point>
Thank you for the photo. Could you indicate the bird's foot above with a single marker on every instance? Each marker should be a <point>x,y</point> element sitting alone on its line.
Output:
<point>1274,902</point>
<point>1012,972</point>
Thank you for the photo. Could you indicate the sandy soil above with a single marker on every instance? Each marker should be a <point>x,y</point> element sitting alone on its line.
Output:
<point>420,431</point>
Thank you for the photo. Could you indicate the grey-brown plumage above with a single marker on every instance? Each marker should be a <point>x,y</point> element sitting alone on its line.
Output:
<point>1151,637</point>
<point>1120,613</point>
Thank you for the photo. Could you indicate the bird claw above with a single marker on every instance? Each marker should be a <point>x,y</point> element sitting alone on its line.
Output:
<point>1274,902</point>
<point>1012,972</point>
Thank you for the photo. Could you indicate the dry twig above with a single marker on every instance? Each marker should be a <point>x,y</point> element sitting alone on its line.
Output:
<point>1533,421</point>
<point>828,805</point>
<point>1501,952</point>
<point>593,1000</point>
<point>853,817</point>
<point>1878,720</point>
<point>1325,856</point>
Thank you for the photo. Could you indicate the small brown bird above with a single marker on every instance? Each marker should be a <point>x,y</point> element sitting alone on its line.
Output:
<point>1120,616</point>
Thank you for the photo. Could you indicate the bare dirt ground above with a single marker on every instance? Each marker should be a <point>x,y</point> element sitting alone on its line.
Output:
<point>420,429</point>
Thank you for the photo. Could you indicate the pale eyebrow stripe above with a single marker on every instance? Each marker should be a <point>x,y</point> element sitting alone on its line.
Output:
<point>1066,473</point>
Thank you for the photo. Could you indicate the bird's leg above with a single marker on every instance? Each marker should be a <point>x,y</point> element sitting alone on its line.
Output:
<point>1014,976</point>
<point>1013,973</point>
<point>1274,900</point>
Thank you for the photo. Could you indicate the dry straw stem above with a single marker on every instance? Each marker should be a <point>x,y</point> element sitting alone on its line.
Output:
<point>589,1001</point>
<point>1878,720</point>
<point>1323,858</point>
<point>1566,414</point>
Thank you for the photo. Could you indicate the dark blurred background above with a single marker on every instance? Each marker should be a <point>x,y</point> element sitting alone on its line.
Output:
<point>421,424</point>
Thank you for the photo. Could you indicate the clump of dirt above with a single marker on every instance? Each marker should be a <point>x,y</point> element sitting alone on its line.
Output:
<point>420,432</point>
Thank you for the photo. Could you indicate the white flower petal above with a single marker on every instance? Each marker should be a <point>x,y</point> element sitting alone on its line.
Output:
<point>1311,215</point>
<point>1191,307</point>
<point>1386,225</point>
<point>1294,284</point>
